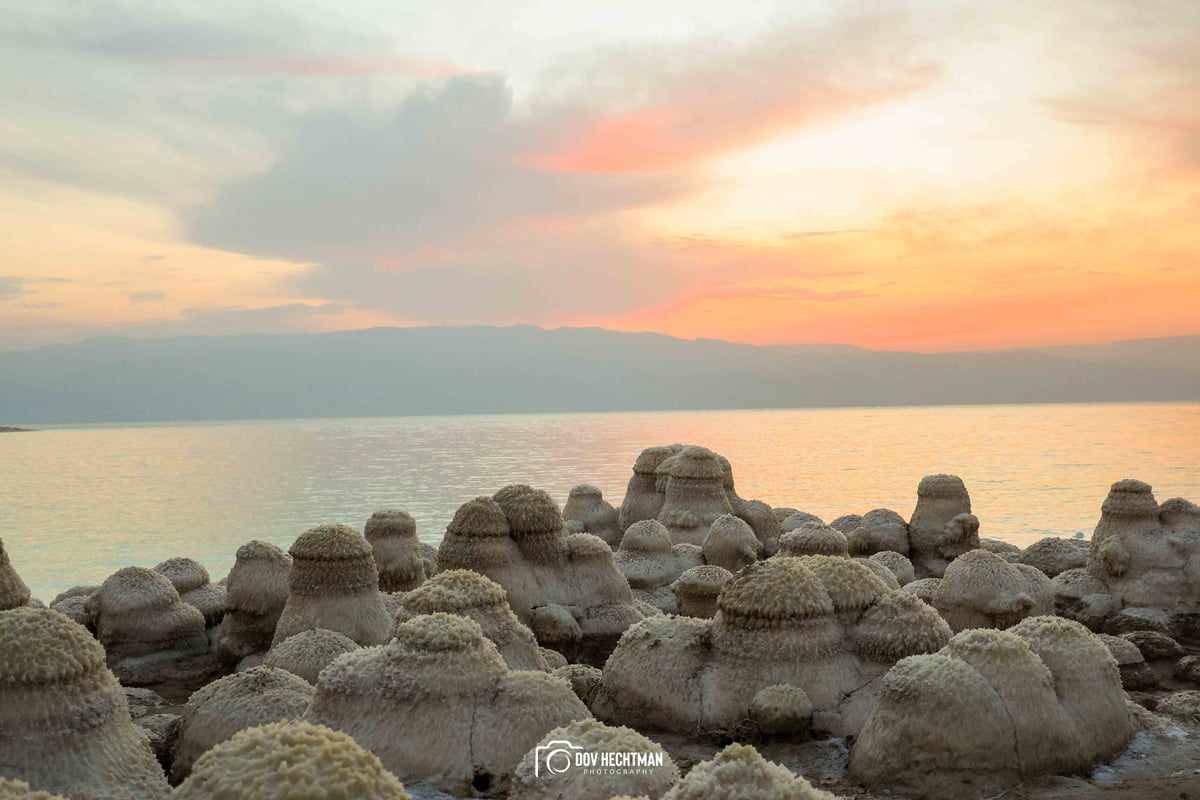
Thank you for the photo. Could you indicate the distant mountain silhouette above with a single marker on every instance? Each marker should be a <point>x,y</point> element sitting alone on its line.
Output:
<point>440,370</point>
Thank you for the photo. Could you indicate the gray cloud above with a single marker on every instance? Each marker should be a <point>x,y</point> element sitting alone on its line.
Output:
<point>417,198</point>
<point>11,287</point>
<point>146,297</point>
<point>17,285</point>
<point>443,165</point>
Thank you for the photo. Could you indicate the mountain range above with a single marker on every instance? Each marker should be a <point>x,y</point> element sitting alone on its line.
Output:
<point>459,370</point>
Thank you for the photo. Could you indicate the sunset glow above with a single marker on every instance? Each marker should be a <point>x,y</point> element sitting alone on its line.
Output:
<point>947,176</point>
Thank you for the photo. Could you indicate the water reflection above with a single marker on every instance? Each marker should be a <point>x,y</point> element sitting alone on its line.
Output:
<point>76,504</point>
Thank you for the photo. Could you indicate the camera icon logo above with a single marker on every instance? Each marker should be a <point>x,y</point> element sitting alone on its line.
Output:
<point>554,758</point>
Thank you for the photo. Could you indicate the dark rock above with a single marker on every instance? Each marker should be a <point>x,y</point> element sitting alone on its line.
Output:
<point>1153,645</point>
<point>1137,618</point>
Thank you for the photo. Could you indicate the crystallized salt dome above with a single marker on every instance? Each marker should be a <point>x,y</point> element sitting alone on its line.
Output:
<point>331,543</point>
<point>43,646</point>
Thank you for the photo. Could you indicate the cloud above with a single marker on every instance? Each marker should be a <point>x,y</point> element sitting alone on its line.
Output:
<point>146,297</point>
<point>704,98</point>
<point>461,205</point>
<point>18,285</point>
<point>10,287</point>
<point>356,187</point>
<point>1154,41</point>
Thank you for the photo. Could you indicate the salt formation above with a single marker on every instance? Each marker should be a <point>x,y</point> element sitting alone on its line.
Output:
<point>290,761</point>
<point>429,557</point>
<point>695,494</point>
<point>796,519</point>
<point>469,594</point>
<point>812,538</point>
<point>565,587</point>
<point>900,566</point>
<point>697,588</point>
<point>308,652</point>
<point>64,722</point>
<point>255,594</point>
<point>739,772</point>
<point>73,604</point>
<point>993,708</point>
<point>781,709</point>
<point>547,772</point>
<point>982,590</point>
<point>149,635</point>
<point>650,563</point>
<point>438,704</point>
<point>217,711</point>
<point>1007,551</point>
<point>802,622</point>
<point>1135,672</point>
<point>761,519</point>
<point>595,515</point>
<point>584,680</point>
<point>397,552</point>
<point>334,585</point>
<point>1083,597</point>
<point>1148,555</point>
<point>642,498</point>
<point>190,579</point>
<point>1053,555</point>
<point>877,531</point>
<point>881,571</point>
<point>755,513</point>
<point>731,544</point>
<point>781,513</point>
<point>19,790</point>
<point>13,591</point>
<point>849,523</point>
<point>922,588</point>
<point>942,526</point>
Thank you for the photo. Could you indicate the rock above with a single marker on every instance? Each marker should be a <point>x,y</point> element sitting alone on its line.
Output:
<point>161,730</point>
<point>1183,705</point>
<point>469,594</point>
<point>982,590</point>
<point>142,701</point>
<point>695,494</point>
<point>595,515</point>
<point>826,625</point>
<point>1138,619</point>
<point>1053,555</point>
<point>1136,674</point>
<point>397,551</point>
<point>334,584</point>
<point>642,498</point>
<point>1188,669</point>
<point>1154,646</point>
<point>545,774</point>
<point>438,704</point>
<point>992,709</point>
<point>290,761</point>
<point>942,527</point>
<point>565,586</point>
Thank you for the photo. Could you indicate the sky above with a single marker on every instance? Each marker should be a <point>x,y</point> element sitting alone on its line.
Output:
<point>929,176</point>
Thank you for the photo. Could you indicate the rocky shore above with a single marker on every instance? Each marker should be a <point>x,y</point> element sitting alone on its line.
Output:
<point>689,644</point>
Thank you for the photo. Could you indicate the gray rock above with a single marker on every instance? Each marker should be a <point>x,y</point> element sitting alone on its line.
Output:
<point>1154,646</point>
<point>1181,705</point>
<point>1138,618</point>
<point>1188,669</point>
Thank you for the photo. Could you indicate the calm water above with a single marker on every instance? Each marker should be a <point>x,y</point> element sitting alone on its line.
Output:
<point>78,503</point>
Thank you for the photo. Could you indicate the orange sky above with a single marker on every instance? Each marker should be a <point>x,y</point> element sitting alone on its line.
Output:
<point>939,176</point>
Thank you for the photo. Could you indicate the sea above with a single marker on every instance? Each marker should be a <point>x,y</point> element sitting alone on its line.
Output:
<point>79,502</point>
